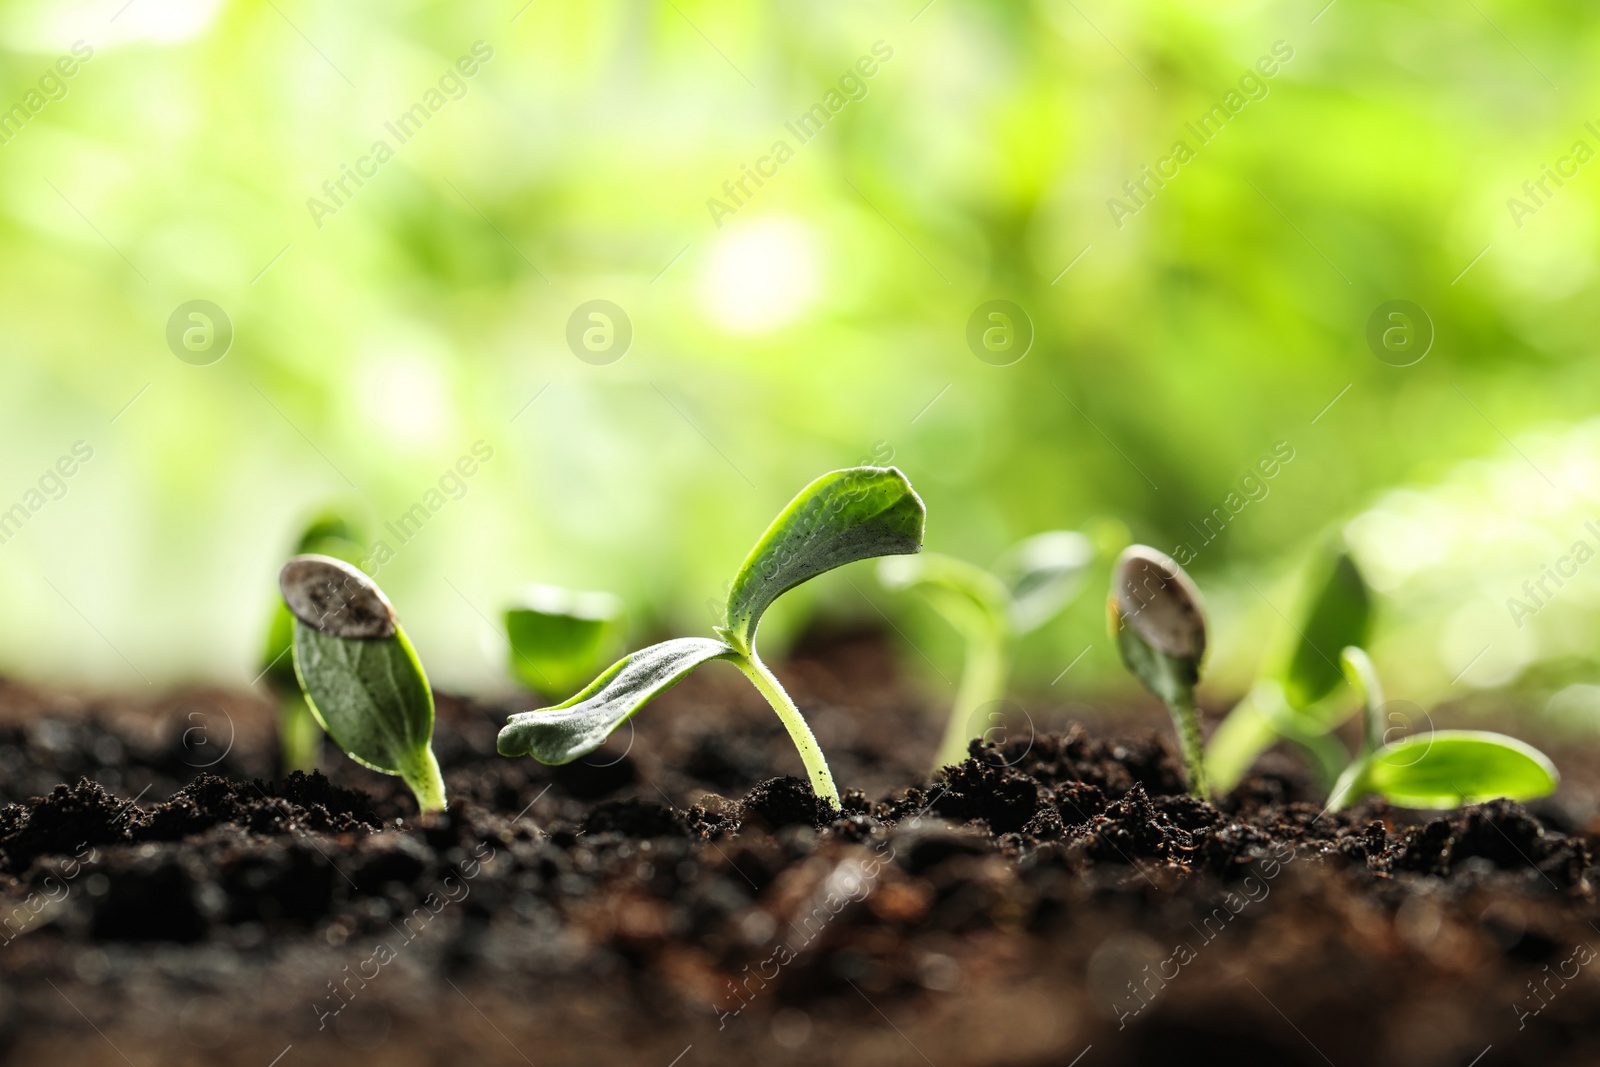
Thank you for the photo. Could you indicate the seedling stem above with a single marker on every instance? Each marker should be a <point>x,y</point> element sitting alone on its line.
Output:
<point>805,742</point>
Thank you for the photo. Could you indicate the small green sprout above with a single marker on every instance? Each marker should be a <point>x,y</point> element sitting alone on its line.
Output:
<point>1442,769</point>
<point>299,736</point>
<point>1159,625</point>
<point>360,675</point>
<point>557,636</point>
<point>842,517</point>
<point>1033,581</point>
<point>1291,698</point>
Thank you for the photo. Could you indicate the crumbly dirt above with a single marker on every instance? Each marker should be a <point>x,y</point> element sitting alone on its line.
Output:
<point>681,898</point>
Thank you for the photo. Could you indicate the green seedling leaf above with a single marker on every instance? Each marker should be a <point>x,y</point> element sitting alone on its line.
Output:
<point>360,674</point>
<point>1159,625</point>
<point>557,636</point>
<point>1446,769</point>
<point>299,736</point>
<point>1290,700</point>
<point>579,726</point>
<point>1158,600</point>
<point>1043,573</point>
<point>841,517</point>
<point>327,535</point>
<point>1338,614</point>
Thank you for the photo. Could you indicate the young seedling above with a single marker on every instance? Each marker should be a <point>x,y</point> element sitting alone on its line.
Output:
<point>842,517</point>
<point>1291,698</point>
<point>1160,628</point>
<point>360,674</point>
<point>1442,769</point>
<point>557,637</point>
<point>1031,583</point>
<point>299,736</point>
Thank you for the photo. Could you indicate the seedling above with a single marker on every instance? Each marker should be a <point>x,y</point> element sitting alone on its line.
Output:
<point>360,675</point>
<point>557,636</point>
<point>1033,581</point>
<point>1442,769</point>
<point>299,736</point>
<point>1292,698</point>
<point>842,517</point>
<point>1160,628</point>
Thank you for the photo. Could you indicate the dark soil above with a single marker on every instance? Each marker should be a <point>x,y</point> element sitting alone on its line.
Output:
<point>680,898</point>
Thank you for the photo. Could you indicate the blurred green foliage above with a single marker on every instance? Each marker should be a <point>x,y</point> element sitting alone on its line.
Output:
<point>820,324</point>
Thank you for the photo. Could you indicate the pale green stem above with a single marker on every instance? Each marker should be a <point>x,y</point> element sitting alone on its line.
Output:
<point>799,730</point>
<point>1251,728</point>
<point>983,681</point>
<point>426,782</point>
<point>1372,727</point>
<point>1243,735</point>
<point>1186,721</point>
<point>299,734</point>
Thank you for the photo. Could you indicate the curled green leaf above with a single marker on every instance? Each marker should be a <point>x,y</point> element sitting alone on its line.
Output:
<point>843,516</point>
<point>580,725</point>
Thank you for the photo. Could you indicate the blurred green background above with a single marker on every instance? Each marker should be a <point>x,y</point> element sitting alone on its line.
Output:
<point>1181,335</point>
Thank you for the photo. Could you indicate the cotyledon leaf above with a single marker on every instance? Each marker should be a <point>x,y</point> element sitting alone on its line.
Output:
<point>843,516</point>
<point>370,695</point>
<point>1338,614</point>
<point>580,725</point>
<point>1448,768</point>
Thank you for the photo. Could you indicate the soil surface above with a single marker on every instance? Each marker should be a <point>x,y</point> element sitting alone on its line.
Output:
<point>679,898</point>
